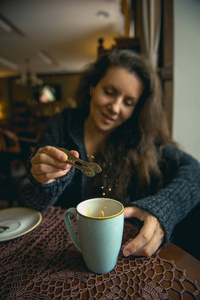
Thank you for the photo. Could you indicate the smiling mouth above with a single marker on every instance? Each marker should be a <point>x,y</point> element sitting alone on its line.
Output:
<point>107,119</point>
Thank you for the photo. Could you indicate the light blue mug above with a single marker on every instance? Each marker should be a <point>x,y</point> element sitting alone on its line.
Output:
<point>99,237</point>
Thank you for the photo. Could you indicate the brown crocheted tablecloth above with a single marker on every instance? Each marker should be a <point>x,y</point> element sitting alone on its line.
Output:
<point>44,264</point>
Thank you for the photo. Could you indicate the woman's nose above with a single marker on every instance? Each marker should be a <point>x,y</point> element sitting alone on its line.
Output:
<point>114,106</point>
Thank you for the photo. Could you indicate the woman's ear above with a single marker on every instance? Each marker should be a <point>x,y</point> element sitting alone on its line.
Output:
<point>91,90</point>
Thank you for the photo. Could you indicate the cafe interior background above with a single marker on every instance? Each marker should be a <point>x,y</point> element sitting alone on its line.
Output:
<point>46,44</point>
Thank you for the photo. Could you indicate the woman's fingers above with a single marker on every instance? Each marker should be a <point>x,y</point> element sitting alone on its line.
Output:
<point>141,239</point>
<point>47,168</point>
<point>49,163</point>
<point>54,152</point>
<point>134,212</point>
<point>50,156</point>
<point>150,237</point>
<point>46,178</point>
<point>138,248</point>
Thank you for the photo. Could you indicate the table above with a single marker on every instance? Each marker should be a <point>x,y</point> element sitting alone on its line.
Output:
<point>44,264</point>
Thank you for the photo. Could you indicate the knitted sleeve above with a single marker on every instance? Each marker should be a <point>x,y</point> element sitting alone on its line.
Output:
<point>41,196</point>
<point>172,203</point>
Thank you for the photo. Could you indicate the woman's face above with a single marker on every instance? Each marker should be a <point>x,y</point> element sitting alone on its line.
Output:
<point>114,98</point>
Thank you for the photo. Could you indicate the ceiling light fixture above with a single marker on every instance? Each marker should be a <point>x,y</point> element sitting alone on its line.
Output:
<point>102,14</point>
<point>29,78</point>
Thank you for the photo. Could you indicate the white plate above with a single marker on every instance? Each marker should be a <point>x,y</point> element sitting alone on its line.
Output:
<point>20,221</point>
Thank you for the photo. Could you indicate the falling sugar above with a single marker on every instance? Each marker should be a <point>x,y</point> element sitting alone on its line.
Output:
<point>101,214</point>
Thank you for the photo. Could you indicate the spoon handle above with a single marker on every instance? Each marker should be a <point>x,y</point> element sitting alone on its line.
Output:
<point>86,170</point>
<point>95,167</point>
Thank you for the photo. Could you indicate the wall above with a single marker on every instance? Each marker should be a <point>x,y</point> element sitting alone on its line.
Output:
<point>186,109</point>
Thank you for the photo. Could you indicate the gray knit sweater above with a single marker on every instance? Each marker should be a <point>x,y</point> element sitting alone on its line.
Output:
<point>170,205</point>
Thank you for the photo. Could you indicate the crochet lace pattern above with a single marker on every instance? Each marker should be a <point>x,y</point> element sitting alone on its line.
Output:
<point>44,264</point>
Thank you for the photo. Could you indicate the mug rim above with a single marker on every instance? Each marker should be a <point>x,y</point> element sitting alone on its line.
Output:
<point>100,218</point>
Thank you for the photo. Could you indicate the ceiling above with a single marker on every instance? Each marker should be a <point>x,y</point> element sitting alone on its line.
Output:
<point>55,36</point>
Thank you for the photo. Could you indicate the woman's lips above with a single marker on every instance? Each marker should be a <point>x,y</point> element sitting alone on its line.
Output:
<point>107,119</point>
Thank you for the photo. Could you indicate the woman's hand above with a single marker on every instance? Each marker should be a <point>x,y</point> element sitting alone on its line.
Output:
<point>150,236</point>
<point>48,164</point>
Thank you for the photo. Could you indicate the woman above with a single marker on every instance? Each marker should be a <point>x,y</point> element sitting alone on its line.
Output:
<point>120,124</point>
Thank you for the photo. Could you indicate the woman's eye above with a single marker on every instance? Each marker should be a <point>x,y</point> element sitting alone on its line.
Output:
<point>108,92</point>
<point>128,103</point>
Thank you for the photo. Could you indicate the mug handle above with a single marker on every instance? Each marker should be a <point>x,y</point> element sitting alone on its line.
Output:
<point>70,229</point>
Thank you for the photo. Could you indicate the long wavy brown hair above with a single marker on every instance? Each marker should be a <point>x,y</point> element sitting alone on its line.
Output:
<point>131,156</point>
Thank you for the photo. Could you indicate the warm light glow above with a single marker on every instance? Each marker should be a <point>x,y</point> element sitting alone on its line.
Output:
<point>2,113</point>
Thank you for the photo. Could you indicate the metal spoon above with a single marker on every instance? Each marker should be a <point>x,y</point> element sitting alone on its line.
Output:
<point>95,167</point>
<point>86,170</point>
